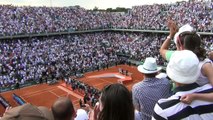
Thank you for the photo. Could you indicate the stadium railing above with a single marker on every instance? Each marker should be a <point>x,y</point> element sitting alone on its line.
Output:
<point>12,87</point>
<point>5,37</point>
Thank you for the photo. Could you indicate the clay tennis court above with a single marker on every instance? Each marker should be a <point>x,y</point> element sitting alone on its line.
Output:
<point>45,95</point>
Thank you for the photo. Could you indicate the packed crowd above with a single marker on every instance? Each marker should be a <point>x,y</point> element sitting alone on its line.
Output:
<point>22,20</point>
<point>197,14</point>
<point>40,59</point>
<point>53,57</point>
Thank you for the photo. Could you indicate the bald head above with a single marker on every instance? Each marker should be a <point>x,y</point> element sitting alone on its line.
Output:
<point>63,109</point>
<point>211,55</point>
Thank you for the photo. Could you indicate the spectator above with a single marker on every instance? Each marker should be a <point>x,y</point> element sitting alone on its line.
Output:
<point>80,103</point>
<point>63,109</point>
<point>183,70</point>
<point>150,90</point>
<point>115,103</point>
<point>186,39</point>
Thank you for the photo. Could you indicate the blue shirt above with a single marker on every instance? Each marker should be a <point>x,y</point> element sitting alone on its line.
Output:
<point>147,93</point>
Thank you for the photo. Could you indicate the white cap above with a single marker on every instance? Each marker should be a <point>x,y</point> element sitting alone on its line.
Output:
<point>182,29</point>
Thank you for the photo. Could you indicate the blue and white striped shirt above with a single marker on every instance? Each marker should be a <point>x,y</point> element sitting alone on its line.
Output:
<point>173,109</point>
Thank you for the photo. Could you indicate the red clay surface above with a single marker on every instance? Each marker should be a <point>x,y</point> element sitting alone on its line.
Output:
<point>45,95</point>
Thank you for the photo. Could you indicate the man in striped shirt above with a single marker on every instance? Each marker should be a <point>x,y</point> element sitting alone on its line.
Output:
<point>150,90</point>
<point>183,70</point>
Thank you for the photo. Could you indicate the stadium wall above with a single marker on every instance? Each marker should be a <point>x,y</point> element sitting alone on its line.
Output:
<point>89,31</point>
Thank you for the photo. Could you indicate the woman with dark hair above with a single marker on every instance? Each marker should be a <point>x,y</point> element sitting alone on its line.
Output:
<point>187,39</point>
<point>115,103</point>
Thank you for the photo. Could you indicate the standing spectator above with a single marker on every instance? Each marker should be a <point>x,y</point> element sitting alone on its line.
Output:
<point>17,85</point>
<point>184,71</point>
<point>147,92</point>
<point>80,103</point>
<point>126,72</point>
<point>86,98</point>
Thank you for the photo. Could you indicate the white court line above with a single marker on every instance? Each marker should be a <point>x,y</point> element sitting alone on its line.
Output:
<point>24,99</point>
<point>88,79</point>
<point>63,95</point>
<point>38,91</point>
<point>70,92</point>
<point>98,84</point>
<point>54,93</point>
<point>18,89</point>
<point>105,80</point>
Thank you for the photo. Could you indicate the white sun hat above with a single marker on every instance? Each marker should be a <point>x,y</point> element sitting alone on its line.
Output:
<point>149,66</point>
<point>184,28</point>
<point>183,67</point>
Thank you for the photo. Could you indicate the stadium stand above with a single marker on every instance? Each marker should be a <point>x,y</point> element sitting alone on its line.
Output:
<point>43,59</point>
<point>21,20</point>
<point>26,20</point>
<point>46,44</point>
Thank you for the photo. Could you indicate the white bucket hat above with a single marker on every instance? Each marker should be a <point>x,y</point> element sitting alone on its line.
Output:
<point>183,67</point>
<point>149,66</point>
<point>185,28</point>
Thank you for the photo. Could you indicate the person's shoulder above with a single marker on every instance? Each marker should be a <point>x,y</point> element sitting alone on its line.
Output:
<point>205,61</point>
<point>137,85</point>
<point>169,53</point>
<point>165,80</point>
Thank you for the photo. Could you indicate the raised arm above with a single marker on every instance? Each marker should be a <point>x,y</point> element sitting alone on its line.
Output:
<point>172,30</point>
